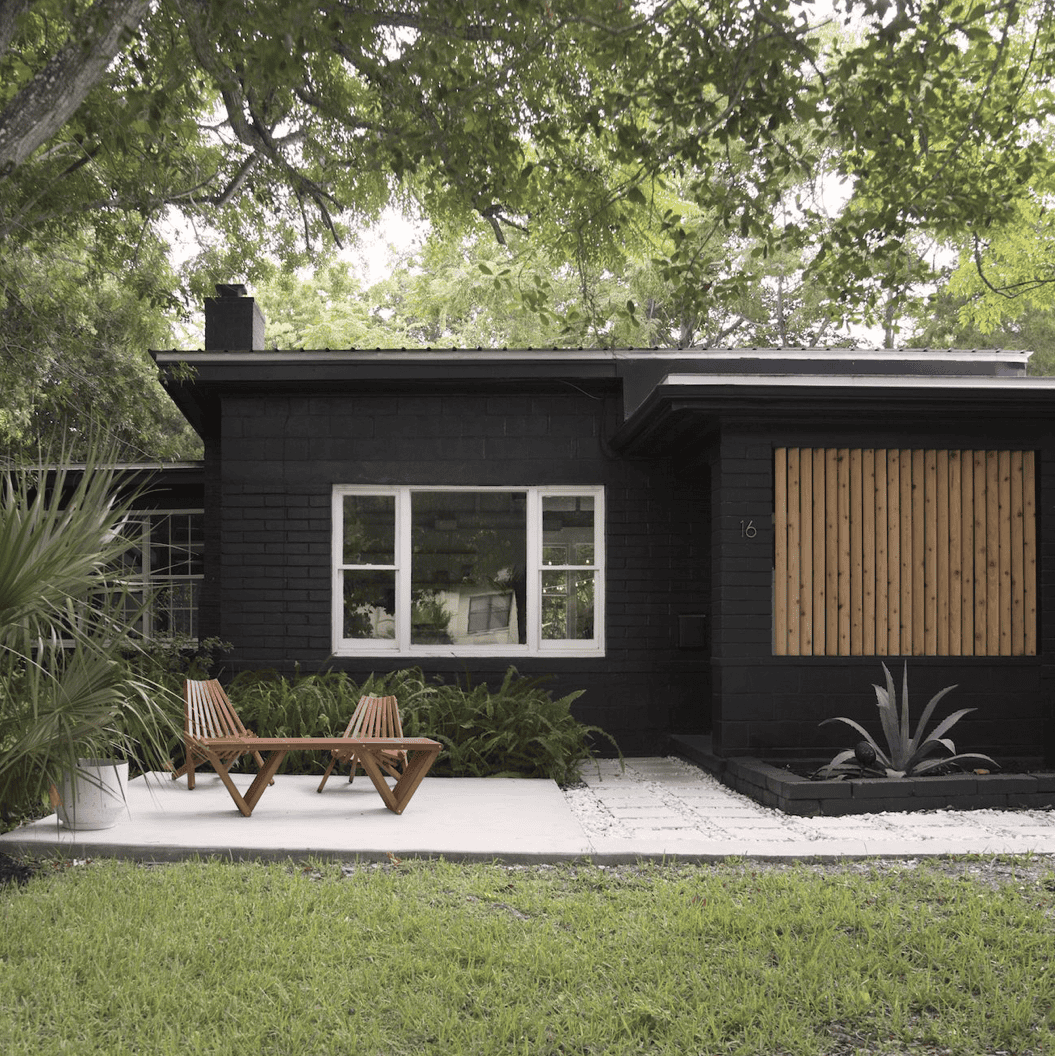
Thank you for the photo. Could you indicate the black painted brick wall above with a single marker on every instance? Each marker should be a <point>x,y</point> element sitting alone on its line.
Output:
<point>269,590</point>
<point>771,706</point>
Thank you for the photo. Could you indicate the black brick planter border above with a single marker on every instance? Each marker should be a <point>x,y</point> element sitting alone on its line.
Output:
<point>773,786</point>
<point>794,794</point>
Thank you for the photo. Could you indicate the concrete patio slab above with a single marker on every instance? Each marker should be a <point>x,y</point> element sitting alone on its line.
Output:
<point>457,818</point>
<point>659,808</point>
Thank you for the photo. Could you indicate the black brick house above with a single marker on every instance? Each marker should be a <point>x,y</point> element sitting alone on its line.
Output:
<point>706,541</point>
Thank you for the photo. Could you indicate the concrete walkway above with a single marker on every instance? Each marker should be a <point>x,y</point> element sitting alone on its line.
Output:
<point>658,808</point>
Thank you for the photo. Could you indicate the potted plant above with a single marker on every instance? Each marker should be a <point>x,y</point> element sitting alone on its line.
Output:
<point>67,689</point>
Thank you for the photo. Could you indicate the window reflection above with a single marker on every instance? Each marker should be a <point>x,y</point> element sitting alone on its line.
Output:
<point>568,545</point>
<point>468,567</point>
<point>369,604</point>
<point>369,529</point>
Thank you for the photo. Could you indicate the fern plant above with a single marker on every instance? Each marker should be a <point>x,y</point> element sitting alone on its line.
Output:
<point>516,728</point>
<point>906,754</point>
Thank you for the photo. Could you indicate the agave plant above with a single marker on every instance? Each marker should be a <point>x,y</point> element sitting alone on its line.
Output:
<point>905,754</point>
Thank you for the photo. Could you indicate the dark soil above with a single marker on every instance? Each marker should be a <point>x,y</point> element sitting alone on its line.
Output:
<point>13,871</point>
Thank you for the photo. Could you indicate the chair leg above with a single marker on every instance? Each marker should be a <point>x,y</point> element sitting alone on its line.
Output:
<point>326,776</point>
<point>260,764</point>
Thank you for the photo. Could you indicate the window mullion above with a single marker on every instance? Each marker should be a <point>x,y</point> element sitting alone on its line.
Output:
<point>403,557</point>
<point>533,560</point>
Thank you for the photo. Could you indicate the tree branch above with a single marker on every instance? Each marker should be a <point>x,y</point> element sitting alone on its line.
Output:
<point>50,99</point>
<point>1018,288</point>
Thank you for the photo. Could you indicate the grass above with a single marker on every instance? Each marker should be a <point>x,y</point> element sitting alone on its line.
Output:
<point>431,957</point>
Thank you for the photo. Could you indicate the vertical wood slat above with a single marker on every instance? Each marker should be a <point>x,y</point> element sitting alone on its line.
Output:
<point>943,545</point>
<point>897,551</point>
<point>967,550</point>
<point>1017,543</point>
<point>917,529</point>
<point>894,551</point>
<point>868,553</point>
<point>955,555</point>
<point>831,550</point>
<point>992,554</point>
<point>1029,554</point>
<point>980,555</point>
<point>844,551</point>
<point>907,579</point>
<point>780,551</point>
<point>819,594</point>
<point>929,570</point>
<point>793,552</point>
<point>882,603</point>
<point>806,552</point>
<point>1004,523</point>
<point>856,555</point>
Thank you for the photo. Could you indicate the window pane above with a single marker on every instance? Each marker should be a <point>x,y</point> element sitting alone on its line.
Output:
<point>567,530</point>
<point>176,544</point>
<point>175,610</point>
<point>567,605</point>
<point>130,560</point>
<point>462,543</point>
<point>369,604</point>
<point>369,530</point>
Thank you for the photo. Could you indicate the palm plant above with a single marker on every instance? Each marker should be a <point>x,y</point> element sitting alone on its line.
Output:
<point>66,629</point>
<point>905,754</point>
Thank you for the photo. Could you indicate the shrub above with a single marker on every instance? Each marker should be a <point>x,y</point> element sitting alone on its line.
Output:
<point>312,705</point>
<point>67,626</point>
<point>516,729</point>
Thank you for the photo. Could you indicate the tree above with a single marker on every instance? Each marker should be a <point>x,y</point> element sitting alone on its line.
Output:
<point>280,113</point>
<point>472,292</point>
<point>1008,273</point>
<point>73,355</point>
<point>945,324</point>
<point>660,144</point>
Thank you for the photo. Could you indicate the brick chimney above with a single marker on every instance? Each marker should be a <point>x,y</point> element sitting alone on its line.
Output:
<point>233,322</point>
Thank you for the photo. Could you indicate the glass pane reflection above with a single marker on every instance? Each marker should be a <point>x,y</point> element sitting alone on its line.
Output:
<point>468,567</point>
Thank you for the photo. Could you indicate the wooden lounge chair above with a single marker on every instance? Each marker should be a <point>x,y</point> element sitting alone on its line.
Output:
<point>210,715</point>
<point>373,717</point>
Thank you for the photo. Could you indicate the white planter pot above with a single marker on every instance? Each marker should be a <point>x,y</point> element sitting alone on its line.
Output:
<point>93,796</point>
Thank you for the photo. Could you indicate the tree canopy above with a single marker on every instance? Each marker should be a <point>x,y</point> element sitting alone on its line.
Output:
<point>563,117</point>
<point>687,135</point>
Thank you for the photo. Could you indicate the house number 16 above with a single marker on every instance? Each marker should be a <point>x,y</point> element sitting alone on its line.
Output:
<point>748,530</point>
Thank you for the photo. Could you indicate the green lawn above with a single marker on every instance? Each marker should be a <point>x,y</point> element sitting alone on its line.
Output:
<point>413,957</point>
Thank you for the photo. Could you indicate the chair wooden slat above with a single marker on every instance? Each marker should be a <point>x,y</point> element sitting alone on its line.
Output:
<point>208,715</point>
<point>373,717</point>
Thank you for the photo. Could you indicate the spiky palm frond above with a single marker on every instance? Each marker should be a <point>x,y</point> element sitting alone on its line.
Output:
<point>66,629</point>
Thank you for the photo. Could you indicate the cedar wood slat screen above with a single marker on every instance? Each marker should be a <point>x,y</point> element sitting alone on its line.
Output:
<point>904,552</point>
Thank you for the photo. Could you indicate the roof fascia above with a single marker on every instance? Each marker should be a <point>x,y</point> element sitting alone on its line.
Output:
<point>858,398</point>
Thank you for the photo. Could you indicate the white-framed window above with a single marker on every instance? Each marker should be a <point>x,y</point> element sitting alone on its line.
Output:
<point>439,571</point>
<point>164,562</point>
